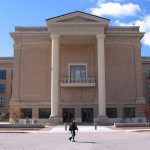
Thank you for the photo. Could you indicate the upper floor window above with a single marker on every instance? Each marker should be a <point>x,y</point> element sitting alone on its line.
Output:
<point>148,88</point>
<point>2,102</point>
<point>148,100</point>
<point>78,71</point>
<point>129,112</point>
<point>2,88</point>
<point>2,74</point>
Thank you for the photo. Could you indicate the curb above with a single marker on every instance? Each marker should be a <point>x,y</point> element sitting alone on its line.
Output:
<point>140,130</point>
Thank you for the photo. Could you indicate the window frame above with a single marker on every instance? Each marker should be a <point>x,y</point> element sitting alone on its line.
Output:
<point>77,64</point>
<point>2,102</point>
<point>3,74</point>
<point>3,89</point>
<point>147,72</point>
<point>148,88</point>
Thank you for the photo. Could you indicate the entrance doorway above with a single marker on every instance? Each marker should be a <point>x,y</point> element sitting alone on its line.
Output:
<point>87,114</point>
<point>68,114</point>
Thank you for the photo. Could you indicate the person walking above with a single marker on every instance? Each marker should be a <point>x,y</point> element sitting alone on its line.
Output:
<point>73,127</point>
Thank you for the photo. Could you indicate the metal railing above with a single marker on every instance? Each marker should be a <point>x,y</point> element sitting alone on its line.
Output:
<point>77,80</point>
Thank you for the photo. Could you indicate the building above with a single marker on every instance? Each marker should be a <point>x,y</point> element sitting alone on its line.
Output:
<point>77,66</point>
<point>5,85</point>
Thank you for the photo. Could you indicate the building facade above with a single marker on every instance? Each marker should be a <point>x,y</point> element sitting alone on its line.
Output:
<point>78,67</point>
<point>5,86</point>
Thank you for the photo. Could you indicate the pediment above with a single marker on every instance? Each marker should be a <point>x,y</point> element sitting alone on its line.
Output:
<point>78,17</point>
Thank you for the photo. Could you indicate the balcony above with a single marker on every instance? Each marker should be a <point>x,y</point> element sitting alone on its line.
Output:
<point>80,82</point>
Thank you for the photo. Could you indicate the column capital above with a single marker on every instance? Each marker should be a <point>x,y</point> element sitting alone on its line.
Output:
<point>100,36</point>
<point>54,36</point>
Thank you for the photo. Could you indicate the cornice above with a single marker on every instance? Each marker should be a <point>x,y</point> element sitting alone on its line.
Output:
<point>126,33</point>
<point>15,35</point>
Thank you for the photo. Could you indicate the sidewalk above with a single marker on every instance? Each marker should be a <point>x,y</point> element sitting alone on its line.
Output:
<point>82,129</point>
<point>61,129</point>
<point>89,129</point>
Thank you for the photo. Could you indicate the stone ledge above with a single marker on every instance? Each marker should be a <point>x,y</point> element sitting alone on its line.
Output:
<point>21,126</point>
<point>131,125</point>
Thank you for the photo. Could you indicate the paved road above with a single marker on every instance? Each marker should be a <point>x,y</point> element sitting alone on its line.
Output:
<point>119,140</point>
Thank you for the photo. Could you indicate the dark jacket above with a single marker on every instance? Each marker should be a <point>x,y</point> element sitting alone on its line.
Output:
<point>73,127</point>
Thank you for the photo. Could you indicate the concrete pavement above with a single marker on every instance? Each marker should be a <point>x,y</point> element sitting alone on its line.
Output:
<point>82,129</point>
<point>84,141</point>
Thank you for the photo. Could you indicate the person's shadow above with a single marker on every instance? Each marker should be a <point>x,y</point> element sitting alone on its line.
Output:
<point>87,142</point>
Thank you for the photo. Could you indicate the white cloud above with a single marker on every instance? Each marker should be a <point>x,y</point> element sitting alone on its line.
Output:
<point>118,23</point>
<point>115,9</point>
<point>146,39</point>
<point>144,27</point>
<point>144,24</point>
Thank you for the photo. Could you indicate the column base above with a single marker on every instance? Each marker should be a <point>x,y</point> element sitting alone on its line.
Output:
<point>54,120</point>
<point>140,100</point>
<point>102,119</point>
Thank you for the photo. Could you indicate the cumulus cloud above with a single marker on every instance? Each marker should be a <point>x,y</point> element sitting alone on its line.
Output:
<point>115,9</point>
<point>146,39</point>
<point>119,23</point>
<point>144,27</point>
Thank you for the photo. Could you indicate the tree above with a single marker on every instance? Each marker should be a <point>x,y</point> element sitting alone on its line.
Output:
<point>15,114</point>
<point>146,109</point>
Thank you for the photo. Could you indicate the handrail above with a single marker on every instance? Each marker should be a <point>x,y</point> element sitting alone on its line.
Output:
<point>77,80</point>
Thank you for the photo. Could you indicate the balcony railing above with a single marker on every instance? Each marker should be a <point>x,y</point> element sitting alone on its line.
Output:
<point>74,82</point>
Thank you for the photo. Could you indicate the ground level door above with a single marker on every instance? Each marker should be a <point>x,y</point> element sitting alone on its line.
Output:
<point>87,114</point>
<point>68,114</point>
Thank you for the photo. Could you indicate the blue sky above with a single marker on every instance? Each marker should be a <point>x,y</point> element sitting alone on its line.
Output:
<point>34,12</point>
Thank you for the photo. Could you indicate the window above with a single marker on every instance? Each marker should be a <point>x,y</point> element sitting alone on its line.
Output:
<point>129,112</point>
<point>2,102</point>
<point>2,74</point>
<point>77,71</point>
<point>44,112</point>
<point>147,74</point>
<point>148,100</point>
<point>148,88</point>
<point>26,112</point>
<point>111,112</point>
<point>2,88</point>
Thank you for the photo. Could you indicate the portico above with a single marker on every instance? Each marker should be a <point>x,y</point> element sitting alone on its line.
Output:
<point>75,25</point>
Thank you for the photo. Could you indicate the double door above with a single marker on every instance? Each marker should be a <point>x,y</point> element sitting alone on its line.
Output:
<point>86,114</point>
<point>68,114</point>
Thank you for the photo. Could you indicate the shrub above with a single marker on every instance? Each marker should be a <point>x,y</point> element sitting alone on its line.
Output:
<point>15,114</point>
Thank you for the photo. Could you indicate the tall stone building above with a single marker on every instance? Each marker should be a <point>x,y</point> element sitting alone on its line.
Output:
<point>77,66</point>
<point>5,85</point>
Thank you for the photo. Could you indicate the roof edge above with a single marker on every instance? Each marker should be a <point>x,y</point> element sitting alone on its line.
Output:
<point>77,12</point>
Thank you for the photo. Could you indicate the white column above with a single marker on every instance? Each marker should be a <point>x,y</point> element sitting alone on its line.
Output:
<point>54,74</point>
<point>101,75</point>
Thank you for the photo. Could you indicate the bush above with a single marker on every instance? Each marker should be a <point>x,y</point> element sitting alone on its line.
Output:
<point>146,109</point>
<point>15,114</point>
